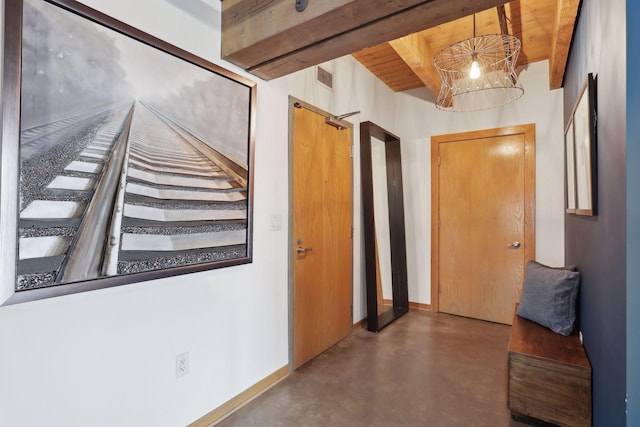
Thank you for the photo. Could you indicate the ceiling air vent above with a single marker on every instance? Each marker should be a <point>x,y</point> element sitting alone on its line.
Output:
<point>324,77</point>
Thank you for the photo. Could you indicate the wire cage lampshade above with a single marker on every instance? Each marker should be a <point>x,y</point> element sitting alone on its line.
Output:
<point>478,73</point>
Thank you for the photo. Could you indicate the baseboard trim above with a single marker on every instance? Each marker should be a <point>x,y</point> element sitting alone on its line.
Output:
<point>412,305</point>
<point>228,408</point>
<point>359,325</point>
<point>419,306</point>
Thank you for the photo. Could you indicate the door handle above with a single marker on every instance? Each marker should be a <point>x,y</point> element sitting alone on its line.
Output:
<point>302,250</point>
<point>514,245</point>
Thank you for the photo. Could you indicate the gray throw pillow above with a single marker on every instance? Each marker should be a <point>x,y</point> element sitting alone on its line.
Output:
<point>549,296</point>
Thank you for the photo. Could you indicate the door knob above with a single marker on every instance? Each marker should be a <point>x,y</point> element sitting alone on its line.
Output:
<point>301,250</point>
<point>514,245</point>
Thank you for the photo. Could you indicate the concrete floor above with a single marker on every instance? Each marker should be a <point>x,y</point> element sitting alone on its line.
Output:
<point>423,370</point>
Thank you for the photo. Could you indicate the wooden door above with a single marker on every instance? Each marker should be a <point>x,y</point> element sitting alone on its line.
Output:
<point>484,201</point>
<point>321,233</point>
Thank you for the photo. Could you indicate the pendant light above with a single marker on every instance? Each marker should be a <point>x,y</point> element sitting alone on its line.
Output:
<point>478,73</point>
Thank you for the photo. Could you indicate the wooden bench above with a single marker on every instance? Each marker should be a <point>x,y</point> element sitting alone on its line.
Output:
<point>549,376</point>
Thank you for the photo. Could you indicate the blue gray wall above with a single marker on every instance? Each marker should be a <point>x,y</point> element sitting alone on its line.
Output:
<point>633,215</point>
<point>597,245</point>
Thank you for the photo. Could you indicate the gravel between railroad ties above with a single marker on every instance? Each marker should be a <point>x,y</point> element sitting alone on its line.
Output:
<point>38,171</point>
<point>34,281</point>
<point>49,231</point>
<point>184,230</point>
<point>191,258</point>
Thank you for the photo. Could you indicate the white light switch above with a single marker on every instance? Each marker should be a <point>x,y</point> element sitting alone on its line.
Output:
<point>275,222</point>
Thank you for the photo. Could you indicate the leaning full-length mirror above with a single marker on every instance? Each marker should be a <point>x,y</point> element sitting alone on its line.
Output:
<point>384,233</point>
<point>384,278</point>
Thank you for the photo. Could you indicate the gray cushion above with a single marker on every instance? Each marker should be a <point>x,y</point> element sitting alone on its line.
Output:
<point>549,296</point>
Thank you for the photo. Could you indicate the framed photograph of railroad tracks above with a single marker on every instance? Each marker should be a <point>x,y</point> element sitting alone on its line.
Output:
<point>123,158</point>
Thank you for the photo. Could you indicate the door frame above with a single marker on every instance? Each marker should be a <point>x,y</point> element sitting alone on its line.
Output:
<point>528,130</point>
<point>297,103</point>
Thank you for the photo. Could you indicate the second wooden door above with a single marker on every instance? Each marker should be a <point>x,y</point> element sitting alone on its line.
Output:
<point>484,214</point>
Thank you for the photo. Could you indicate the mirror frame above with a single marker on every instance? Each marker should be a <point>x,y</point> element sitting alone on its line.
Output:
<point>377,321</point>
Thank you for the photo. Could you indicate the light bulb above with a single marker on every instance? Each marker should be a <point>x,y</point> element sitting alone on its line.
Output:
<point>474,71</point>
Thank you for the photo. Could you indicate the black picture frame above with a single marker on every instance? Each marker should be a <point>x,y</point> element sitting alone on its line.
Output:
<point>580,143</point>
<point>123,158</point>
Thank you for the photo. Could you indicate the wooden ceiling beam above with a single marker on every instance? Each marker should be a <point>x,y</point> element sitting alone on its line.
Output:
<point>414,50</point>
<point>566,13</point>
<point>270,39</point>
<point>502,18</point>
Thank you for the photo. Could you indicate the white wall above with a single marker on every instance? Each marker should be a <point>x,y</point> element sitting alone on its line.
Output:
<point>107,357</point>
<point>418,121</point>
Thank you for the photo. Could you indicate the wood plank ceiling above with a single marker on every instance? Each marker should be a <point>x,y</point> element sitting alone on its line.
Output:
<point>270,39</point>
<point>544,27</point>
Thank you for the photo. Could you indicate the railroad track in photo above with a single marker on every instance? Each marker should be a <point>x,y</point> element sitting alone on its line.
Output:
<point>122,190</point>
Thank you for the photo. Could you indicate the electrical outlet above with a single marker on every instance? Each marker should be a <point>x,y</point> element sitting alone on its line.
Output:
<point>182,364</point>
